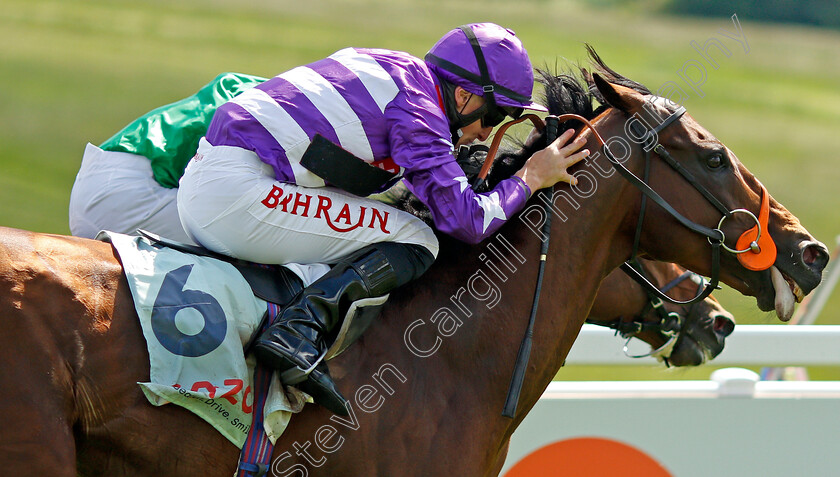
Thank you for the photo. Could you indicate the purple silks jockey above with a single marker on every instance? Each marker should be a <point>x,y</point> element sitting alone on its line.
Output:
<point>383,106</point>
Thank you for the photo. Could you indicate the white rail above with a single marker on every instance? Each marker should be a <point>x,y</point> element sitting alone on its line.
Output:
<point>724,383</point>
<point>732,425</point>
<point>748,345</point>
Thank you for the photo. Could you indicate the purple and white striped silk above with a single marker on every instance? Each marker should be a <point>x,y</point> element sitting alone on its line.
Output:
<point>377,104</point>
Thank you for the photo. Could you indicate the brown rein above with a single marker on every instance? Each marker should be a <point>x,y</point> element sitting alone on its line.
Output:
<point>497,140</point>
<point>539,124</point>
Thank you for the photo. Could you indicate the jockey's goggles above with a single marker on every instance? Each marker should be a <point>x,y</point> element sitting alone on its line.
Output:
<point>490,113</point>
<point>496,114</point>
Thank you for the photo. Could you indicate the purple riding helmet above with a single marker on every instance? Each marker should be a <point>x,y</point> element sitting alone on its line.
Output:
<point>490,61</point>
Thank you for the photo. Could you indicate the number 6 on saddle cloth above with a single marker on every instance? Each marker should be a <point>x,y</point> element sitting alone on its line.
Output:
<point>279,285</point>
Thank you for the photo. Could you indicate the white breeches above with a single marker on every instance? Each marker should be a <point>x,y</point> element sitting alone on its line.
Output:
<point>230,202</point>
<point>116,191</point>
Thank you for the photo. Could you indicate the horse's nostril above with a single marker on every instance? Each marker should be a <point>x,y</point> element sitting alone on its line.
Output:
<point>724,325</point>
<point>815,256</point>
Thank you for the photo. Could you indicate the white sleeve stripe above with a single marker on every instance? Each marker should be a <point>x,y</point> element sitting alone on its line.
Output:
<point>377,81</point>
<point>329,102</point>
<point>283,128</point>
<point>491,205</point>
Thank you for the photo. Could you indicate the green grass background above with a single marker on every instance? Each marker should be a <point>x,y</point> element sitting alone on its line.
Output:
<point>73,71</point>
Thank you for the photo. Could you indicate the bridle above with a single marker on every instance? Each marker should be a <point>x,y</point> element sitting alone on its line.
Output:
<point>755,246</point>
<point>760,245</point>
<point>669,325</point>
<point>716,237</point>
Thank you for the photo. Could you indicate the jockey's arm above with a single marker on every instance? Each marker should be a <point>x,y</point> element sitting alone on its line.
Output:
<point>457,210</point>
<point>420,144</point>
<point>419,137</point>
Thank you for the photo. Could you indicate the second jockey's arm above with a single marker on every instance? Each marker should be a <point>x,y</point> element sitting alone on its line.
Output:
<point>549,166</point>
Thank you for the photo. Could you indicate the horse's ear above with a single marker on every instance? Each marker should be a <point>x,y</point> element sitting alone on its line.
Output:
<point>618,96</point>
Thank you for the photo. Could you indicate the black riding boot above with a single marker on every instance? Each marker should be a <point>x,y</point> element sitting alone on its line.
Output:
<point>297,342</point>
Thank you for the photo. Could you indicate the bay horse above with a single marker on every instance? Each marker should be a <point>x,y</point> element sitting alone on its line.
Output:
<point>427,381</point>
<point>624,305</point>
<point>679,335</point>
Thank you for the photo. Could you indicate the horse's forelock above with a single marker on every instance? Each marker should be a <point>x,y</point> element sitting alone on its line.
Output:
<point>564,93</point>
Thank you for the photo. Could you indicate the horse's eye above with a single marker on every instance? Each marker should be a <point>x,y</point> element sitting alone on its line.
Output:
<point>714,161</point>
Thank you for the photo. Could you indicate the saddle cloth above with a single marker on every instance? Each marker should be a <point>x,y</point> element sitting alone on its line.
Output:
<point>197,314</point>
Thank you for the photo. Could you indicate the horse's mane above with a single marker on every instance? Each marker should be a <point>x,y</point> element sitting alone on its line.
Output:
<point>571,90</point>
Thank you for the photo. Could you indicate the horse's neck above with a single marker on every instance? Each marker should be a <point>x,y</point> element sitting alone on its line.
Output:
<point>617,297</point>
<point>475,302</point>
<point>451,337</point>
<point>583,250</point>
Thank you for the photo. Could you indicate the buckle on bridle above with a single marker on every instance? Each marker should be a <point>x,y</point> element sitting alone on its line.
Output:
<point>628,329</point>
<point>717,241</point>
<point>671,323</point>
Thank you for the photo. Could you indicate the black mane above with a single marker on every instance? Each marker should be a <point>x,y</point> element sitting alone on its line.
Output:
<point>572,91</point>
